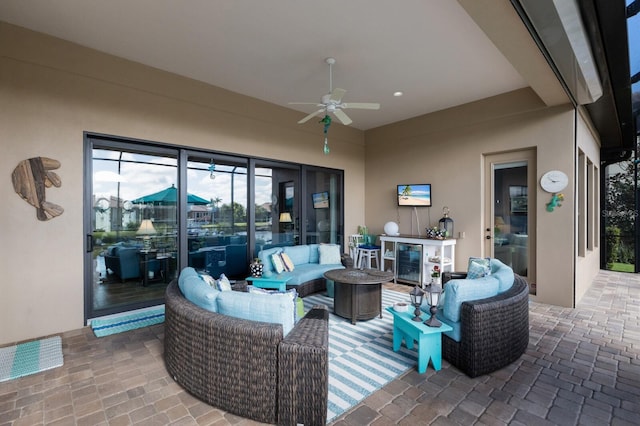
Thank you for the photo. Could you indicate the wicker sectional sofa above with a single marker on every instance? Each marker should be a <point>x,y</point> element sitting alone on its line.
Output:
<point>247,367</point>
<point>494,331</point>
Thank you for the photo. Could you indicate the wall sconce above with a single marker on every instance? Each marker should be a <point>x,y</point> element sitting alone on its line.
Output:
<point>416,300</point>
<point>433,297</point>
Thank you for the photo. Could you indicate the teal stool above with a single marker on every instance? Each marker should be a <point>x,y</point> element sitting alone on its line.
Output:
<point>330,288</point>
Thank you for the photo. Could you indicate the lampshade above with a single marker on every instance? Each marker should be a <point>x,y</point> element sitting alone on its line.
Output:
<point>285,217</point>
<point>146,228</point>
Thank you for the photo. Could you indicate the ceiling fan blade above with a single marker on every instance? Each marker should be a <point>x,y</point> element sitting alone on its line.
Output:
<point>344,118</point>
<point>361,105</point>
<point>304,103</point>
<point>310,116</point>
<point>337,94</point>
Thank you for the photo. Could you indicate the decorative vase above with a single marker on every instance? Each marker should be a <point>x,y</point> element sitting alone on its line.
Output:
<point>255,268</point>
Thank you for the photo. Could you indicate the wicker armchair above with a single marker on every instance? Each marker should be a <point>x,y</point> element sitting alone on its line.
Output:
<point>247,367</point>
<point>495,331</point>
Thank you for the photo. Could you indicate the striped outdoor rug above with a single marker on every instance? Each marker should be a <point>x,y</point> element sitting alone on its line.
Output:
<point>129,321</point>
<point>361,356</point>
<point>30,358</point>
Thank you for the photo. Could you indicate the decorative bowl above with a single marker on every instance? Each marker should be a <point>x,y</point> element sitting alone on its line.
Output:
<point>401,307</point>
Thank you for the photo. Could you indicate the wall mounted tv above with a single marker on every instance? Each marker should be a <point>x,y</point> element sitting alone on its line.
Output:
<point>320,200</point>
<point>414,195</point>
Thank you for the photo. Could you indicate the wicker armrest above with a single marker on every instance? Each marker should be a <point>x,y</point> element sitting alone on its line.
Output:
<point>303,370</point>
<point>239,286</point>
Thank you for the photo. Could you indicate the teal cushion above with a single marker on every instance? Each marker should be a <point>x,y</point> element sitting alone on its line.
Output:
<point>291,292</point>
<point>188,271</point>
<point>503,273</point>
<point>314,256</point>
<point>458,291</point>
<point>274,308</point>
<point>199,292</point>
<point>298,254</point>
<point>308,272</point>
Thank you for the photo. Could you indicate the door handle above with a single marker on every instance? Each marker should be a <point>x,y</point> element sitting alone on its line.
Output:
<point>89,243</point>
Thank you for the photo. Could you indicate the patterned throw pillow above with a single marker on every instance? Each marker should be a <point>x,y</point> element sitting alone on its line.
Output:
<point>287,262</point>
<point>209,280</point>
<point>478,267</point>
<point>223,283</point>
<point>329,254</point>
<point>277,262</point>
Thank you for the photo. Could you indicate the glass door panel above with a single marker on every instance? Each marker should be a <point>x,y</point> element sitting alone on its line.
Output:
<point>276,193</point>
<point>217,215</point>
<point>323,219</point>
<point>133,228</point>
<point>510,231</point>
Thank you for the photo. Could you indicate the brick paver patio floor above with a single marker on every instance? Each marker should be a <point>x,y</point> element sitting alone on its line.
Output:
<point>582,367</point>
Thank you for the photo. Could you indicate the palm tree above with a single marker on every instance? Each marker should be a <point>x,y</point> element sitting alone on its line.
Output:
<point>406,192</point>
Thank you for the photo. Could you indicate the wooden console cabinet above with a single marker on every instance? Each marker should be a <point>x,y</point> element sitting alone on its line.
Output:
<point>411,258</point>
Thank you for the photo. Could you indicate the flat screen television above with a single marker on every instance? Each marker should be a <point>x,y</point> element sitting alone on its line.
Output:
<point>414,195</point>
<point>320,200</point>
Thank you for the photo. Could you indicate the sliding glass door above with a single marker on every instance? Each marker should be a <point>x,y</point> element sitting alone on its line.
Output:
<point>132,240</point>
<point>153,209</point>
<point>217,215</point>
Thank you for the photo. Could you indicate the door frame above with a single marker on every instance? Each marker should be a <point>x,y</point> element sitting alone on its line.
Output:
<point>490,161</point>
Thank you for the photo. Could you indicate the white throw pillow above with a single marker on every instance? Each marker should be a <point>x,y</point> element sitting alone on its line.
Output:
<point>329,254</point>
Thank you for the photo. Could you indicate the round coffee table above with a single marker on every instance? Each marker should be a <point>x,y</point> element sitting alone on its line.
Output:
<point>358,292</point>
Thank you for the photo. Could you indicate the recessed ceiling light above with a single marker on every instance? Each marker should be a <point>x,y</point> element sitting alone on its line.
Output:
<point>398,93</point>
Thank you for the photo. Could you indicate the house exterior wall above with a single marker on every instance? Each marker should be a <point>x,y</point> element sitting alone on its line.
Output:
<point>587,260</point>
<point>52,91</point>
<point>446,149</point>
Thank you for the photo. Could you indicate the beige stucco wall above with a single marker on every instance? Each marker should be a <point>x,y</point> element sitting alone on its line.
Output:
<point>588,264</point>
<point>446,149</point>
<point>51,92</point>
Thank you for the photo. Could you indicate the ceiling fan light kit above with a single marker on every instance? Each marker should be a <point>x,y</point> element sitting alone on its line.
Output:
<point>331,103</point>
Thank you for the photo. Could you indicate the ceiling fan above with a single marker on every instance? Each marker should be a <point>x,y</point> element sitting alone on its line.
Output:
<point>332,102</point>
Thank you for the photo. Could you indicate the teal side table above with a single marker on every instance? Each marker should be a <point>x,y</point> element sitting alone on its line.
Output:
<point>274,281</point>
<point>429,338</point>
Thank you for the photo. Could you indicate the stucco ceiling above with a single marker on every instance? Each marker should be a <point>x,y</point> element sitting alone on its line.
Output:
<point>275,50</point>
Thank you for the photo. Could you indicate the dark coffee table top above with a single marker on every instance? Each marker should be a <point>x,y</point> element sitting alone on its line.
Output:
<point>359,276</point>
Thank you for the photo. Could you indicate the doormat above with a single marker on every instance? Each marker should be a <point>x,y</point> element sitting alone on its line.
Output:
<point>30,358</point>
<point>361,356</point>
<point>128,321</point>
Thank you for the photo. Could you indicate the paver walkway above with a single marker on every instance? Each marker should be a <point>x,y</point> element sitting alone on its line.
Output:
<point>582,367</point>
